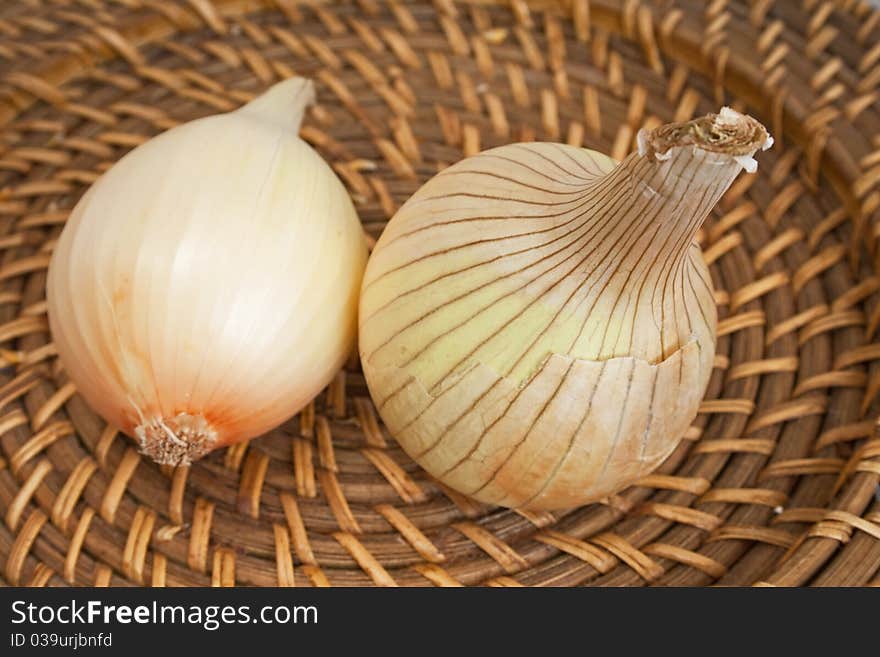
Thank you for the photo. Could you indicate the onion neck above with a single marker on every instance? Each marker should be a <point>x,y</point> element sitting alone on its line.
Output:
<point>640,273</point>
<point>662,204</point>
<point>653,203</point>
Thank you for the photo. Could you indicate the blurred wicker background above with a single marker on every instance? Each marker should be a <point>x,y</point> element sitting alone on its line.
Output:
<point>776,481</point>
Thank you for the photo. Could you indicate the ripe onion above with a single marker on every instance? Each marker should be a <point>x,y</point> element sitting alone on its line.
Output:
<point>537,325</point>
<point>205,288</point>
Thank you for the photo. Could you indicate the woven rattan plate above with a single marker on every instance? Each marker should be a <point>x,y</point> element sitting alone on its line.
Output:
<point>776,480</point>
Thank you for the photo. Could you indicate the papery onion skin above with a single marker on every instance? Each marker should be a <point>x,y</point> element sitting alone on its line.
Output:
<point>537,325</point>
<point>205,288</point>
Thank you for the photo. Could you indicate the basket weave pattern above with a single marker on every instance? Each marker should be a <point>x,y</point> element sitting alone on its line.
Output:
<point>776,480</point>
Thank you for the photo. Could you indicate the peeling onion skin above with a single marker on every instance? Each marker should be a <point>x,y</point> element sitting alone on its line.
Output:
<point>537,324</point>
<point>205,288</point>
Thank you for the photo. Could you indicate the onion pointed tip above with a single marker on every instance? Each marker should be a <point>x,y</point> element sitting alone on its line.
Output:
<point>284,103</point>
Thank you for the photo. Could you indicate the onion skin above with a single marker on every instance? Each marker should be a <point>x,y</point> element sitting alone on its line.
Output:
<point>205,288</point>
<point>537,325</point>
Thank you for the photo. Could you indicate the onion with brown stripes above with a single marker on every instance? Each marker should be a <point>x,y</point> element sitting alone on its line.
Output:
<point>537,325</point>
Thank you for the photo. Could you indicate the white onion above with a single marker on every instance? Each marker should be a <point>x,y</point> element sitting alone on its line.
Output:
<point>205,288</point>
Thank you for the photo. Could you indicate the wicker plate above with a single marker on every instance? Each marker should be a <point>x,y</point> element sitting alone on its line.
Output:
<point>775,482</point>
